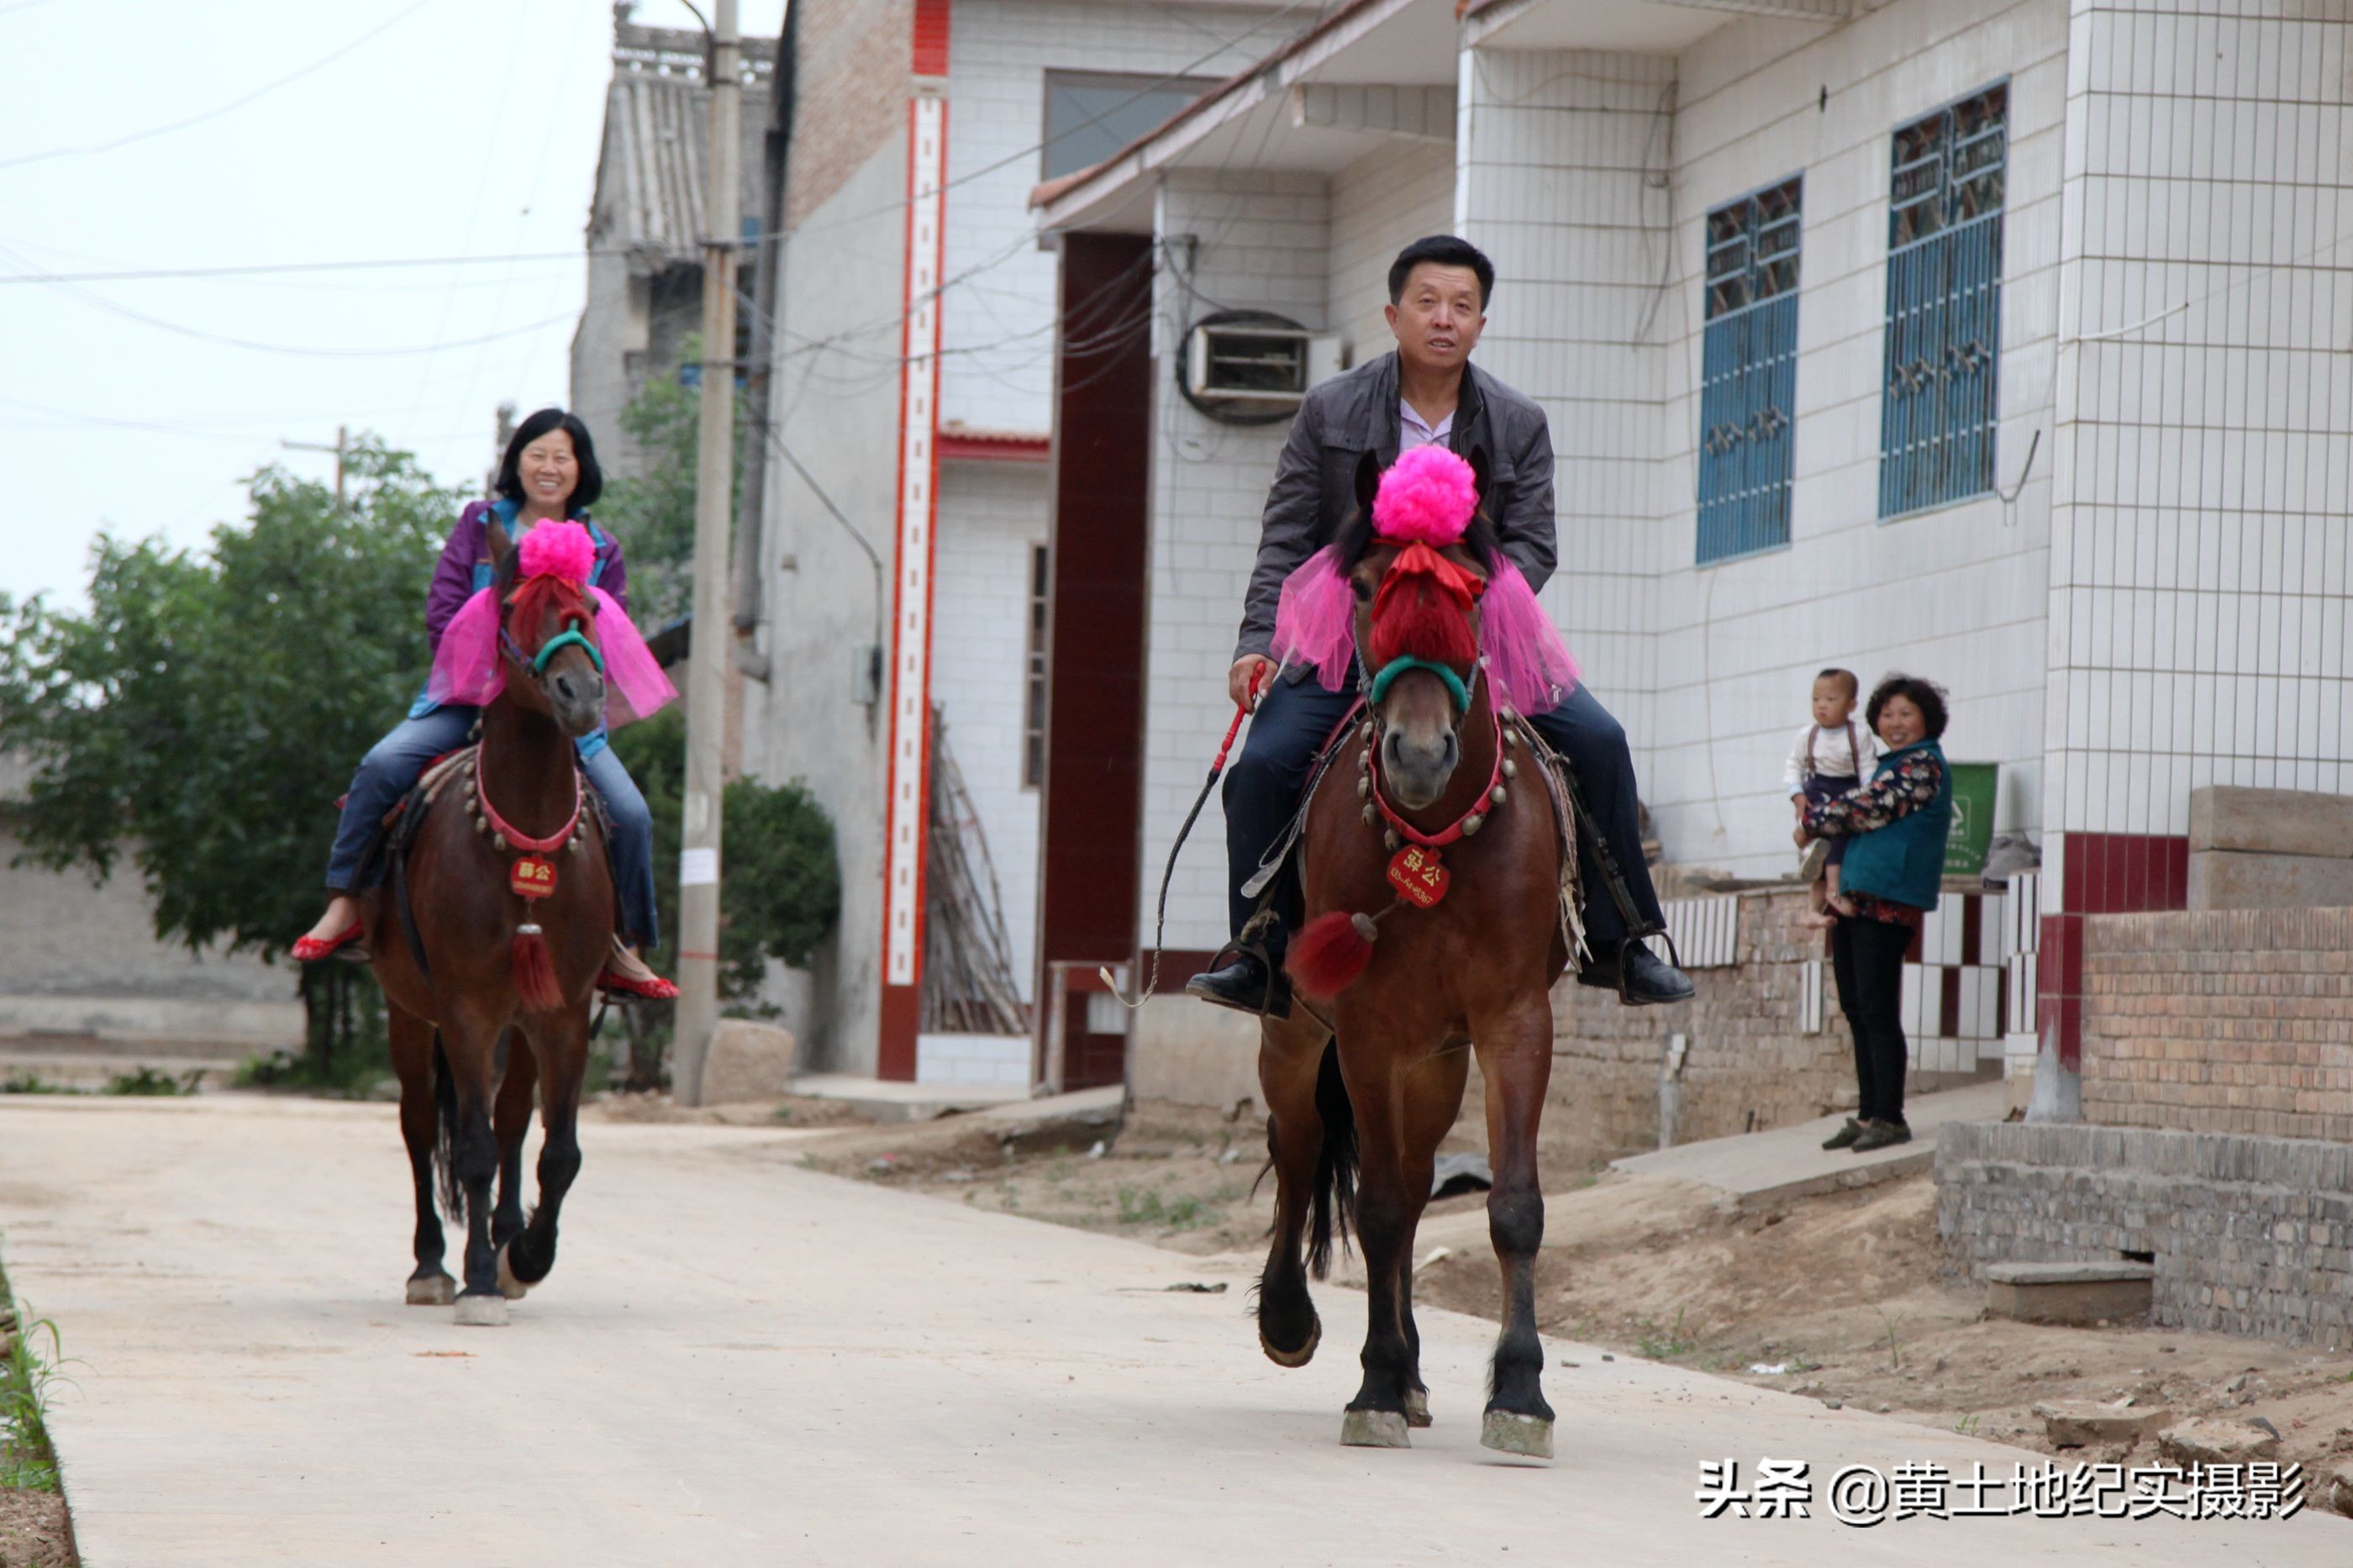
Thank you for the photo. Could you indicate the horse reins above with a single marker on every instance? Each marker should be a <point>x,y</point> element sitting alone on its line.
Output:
<point>1168,873</point>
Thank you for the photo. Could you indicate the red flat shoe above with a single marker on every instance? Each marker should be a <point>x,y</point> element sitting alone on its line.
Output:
<point>657,989</point>
<point>310,949</point>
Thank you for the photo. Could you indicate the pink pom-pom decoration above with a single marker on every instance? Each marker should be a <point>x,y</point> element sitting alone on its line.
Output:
<point>1427,496</point>
<point>559,550</point>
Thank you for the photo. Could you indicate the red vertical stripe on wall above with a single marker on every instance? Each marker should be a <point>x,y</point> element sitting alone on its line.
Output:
<point>931,37</point>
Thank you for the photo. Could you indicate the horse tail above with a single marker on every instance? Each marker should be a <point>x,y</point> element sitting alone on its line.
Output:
<point>445,1106</point>
<point>1332,1206</point>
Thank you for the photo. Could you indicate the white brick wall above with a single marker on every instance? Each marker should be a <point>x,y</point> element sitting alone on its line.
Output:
<point>996,331</point>
<point>1564,177</point>
<point>992,514</point>
<point>1263,242</point>
<point>2199,556</point>
<point>1382,203</point>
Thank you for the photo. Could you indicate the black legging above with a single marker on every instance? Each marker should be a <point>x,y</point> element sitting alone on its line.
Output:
<point>1867,957</point>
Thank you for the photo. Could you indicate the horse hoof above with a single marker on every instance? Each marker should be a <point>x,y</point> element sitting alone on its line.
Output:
<point>512,1288</point>
<point>481,1312</point>
<point>1417,1407</point>
<point>1529,1436</point>
<point>432,1291</point>
<point>1300,1357</point>
<point>1373,1430</point>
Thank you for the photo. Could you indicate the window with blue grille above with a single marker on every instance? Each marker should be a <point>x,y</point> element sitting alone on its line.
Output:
<point>1749,374</point>
<point>1944,305</point>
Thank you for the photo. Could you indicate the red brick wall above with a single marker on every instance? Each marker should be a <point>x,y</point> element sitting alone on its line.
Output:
<point>854,81</point>
<point>2221,1021</point>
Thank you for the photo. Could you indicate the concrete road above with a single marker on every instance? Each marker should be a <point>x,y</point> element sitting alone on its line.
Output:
<point>741,1362</point>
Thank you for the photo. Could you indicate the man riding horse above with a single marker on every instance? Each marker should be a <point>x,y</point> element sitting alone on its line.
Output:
<point>1425,391</point>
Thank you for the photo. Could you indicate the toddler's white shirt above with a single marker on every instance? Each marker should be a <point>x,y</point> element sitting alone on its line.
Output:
<point>1832,754</point>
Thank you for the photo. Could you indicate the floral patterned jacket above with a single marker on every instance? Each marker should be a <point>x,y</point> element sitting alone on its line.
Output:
<point>1911,784</point>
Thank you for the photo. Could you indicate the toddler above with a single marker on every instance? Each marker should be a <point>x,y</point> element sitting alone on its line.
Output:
<point>1830,758</point>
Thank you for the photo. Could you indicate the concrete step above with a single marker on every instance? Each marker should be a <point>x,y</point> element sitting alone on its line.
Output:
<point>2070,1292</point>
<point>880,1100</point>
<point>1759,1169</point>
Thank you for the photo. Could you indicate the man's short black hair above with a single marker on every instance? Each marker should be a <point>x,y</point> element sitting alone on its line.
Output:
<point>1854,687</point>
<point>1444,250</point>
<point>592,478</point>
<point>1925,695</point>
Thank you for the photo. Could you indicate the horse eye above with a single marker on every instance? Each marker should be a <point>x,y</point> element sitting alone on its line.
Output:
<point>1362,589</point>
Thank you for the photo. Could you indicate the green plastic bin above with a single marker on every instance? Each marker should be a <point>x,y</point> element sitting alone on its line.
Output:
<point>1975,790</point>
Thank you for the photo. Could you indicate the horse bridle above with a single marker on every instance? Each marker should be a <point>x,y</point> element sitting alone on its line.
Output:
<point>537,663</point>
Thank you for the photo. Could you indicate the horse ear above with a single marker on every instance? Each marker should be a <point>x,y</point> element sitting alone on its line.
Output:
<point>500,545</point>
<point>1479,469</point>
<point>1368,482</point>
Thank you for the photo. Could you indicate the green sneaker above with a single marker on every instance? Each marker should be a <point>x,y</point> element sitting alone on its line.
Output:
<point>1882,1135</point>
<point>1845,1135</point>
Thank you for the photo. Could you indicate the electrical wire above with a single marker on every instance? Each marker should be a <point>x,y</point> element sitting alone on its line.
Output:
<point>262,91</point>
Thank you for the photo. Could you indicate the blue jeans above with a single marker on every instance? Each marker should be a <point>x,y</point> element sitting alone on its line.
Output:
<point>391,768</point>
<point>1294,717</point>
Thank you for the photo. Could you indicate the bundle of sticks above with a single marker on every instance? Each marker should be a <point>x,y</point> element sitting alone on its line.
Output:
<point>970,987</point>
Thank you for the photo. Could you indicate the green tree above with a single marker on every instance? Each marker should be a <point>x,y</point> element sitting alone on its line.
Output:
<point>652,512</point>
<point>197,720</point>
<point>782,890</point>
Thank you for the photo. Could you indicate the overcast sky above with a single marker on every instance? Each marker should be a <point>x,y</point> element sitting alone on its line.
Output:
<point>432,128</point>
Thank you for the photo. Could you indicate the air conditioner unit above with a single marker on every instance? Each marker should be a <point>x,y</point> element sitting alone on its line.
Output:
<point>1260,365</point>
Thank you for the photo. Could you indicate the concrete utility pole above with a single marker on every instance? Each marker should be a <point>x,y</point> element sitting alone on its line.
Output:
<point>340,449</point>
<point>706,680</point>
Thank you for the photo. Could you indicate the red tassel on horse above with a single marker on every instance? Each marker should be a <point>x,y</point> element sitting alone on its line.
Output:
<point>534,971</point>
<point>1329,952</point>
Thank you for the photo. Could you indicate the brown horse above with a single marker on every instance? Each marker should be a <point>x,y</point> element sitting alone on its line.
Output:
<point>501,998</point>
<point>1363,1094</point>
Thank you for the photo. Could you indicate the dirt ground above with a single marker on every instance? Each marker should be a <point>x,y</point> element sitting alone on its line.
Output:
<point>33,1533</point>
<point>1842,1298</point>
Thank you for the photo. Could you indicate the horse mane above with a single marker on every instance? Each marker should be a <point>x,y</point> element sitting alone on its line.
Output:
<point>530,602</point>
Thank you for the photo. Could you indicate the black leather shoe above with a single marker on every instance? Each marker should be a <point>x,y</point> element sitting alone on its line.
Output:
<point>1845,1135</point>
<point>1245,983</point>
<point>1648,981</point>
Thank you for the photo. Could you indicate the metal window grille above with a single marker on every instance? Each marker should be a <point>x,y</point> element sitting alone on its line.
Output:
<point>1944,305</point>
<point>1033,707</point>
<point>1749,373</point>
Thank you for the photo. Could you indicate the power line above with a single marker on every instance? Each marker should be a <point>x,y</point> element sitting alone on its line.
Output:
<point>266,268</point>
<point>261,91</point>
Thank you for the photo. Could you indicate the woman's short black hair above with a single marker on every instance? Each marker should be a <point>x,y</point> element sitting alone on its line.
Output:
<point>1925,695</point>
<point>1442,251</point>
<point>592,478</point>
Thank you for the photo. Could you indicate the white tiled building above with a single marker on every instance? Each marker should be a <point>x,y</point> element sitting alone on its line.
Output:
<point>2061,423</point>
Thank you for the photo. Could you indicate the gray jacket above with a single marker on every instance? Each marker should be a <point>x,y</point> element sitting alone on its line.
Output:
<point>1314,486</point>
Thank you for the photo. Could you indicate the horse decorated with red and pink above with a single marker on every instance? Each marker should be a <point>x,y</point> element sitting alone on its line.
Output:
<point>1439,917</point>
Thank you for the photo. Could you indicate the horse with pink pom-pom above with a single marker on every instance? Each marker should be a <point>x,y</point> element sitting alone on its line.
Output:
<point>503,902</point>
<point>1438,919</point>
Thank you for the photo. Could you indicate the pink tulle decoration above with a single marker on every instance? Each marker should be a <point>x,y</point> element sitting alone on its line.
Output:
<point>468,672</point>
<point>1427,496</point>
<point>559,550</point>
<point>1527,663</point>
<point>1315,621</point>
<point>635,686</point>
<point>466,667</point>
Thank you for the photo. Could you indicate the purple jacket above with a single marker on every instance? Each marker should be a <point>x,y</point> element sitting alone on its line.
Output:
<point>465,568</point>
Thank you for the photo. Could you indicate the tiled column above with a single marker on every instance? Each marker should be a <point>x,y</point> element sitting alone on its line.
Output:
<point>2203,445</point>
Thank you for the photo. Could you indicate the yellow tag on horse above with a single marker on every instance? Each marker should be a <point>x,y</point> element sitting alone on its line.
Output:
<point>532,877</point>
<point>1419,875</point>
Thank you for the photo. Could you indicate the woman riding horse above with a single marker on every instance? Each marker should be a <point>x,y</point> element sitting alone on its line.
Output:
<point>548,474</point>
